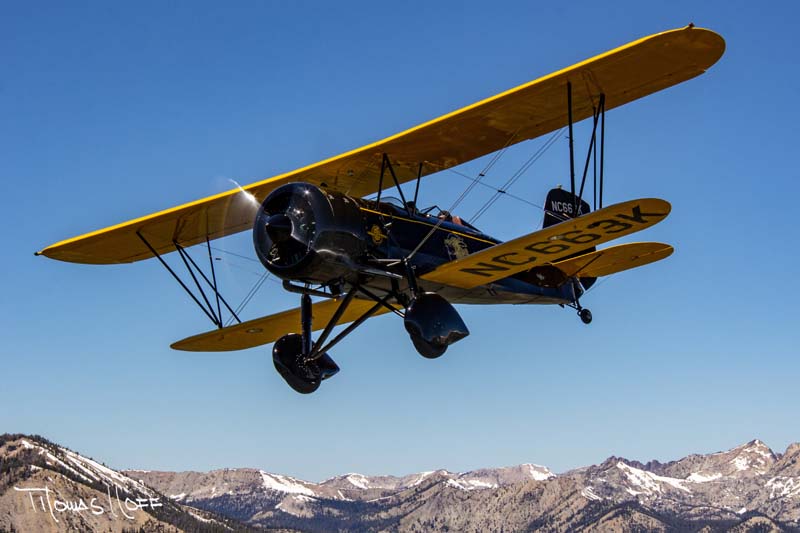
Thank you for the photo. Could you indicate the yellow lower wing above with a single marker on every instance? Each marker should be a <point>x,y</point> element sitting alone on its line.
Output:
<point>270,328</point>
<point>614,259</point>
<point>550,244</point>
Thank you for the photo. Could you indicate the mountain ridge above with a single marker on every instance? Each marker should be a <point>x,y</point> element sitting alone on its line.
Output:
<point>746,488</point>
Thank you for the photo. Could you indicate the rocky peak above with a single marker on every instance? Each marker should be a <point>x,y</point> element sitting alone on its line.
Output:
<point>754,457</point>
<point>509,475</point>
<point>47,487</point>
<point>748,460</point>
<point>789,463</point>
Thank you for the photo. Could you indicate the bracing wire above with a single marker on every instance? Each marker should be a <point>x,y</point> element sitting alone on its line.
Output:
<point>518,174</point>
<point>249,295</point>
<point>263,277</point>
<point>492,187</point>
<point>240,256</point>
<point>495,158</point>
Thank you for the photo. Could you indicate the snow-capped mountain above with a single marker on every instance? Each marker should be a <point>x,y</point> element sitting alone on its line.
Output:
<point>46,487</point>
<point>190,486</point>
<point>258,497</point>
<point>746,488</point>
<point>727,487</point>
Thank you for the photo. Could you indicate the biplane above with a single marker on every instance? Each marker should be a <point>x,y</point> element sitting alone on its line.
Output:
<point>328,231</point>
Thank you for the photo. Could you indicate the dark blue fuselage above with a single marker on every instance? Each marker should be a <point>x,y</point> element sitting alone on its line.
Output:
<point>395,232</point>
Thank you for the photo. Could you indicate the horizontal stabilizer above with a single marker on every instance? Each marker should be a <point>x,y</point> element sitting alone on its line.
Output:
<point>270,328</point>
<point>614,259</point>
<point>550,244</point>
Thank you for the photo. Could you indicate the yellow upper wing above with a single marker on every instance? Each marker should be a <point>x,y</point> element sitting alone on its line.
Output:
<point>535,108</point>
<point>550,244</point>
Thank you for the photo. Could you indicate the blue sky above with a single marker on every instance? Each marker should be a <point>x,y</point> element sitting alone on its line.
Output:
<point>109,111</point>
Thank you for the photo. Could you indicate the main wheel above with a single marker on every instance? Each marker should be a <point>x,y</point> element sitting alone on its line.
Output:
<point>287,355</point>
<point>586,316</point>
<point>427,349</point>
<point>433,324</point>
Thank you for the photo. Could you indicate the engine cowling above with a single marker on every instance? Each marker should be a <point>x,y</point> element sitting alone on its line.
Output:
<point>303,233</point>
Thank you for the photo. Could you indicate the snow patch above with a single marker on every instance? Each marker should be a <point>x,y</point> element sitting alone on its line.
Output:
<point>761,449</point>
<point>696,477</point>
<point>538,472</point>
<point>280,483</point>
<point>649,483</point>
<point>111,477</point>
<point>55,459</point>
<point>741,463</point>
<point>783,487</point>
<point>477,484</point>
<point>421,478</point>
<point>589,494</point>
<point>470,484</point>
<point>88,469</point>
<point>180,496</point>
<point>460,485</point>
<point>358,481</point>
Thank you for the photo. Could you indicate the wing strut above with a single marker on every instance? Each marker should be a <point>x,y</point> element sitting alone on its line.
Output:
<point>598,116</point>
<point>571,147</point>
<point>191,266</point>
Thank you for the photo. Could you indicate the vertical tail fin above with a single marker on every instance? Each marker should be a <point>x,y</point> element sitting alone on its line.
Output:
<point>560,205</point>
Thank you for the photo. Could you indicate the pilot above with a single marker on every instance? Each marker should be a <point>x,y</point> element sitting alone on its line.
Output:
<point>455,219</point>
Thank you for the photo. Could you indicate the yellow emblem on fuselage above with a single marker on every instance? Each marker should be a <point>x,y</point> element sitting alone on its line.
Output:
<point>377,235</point>
<point>456,247</point>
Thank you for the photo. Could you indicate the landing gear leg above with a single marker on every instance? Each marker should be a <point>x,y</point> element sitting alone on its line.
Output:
<point>583,313</point>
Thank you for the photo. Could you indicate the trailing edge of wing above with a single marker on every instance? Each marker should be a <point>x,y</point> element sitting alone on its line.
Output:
<point>624,74</point>
<point>270,328</point>
<point>551,244</point>
<point>614,259</point>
